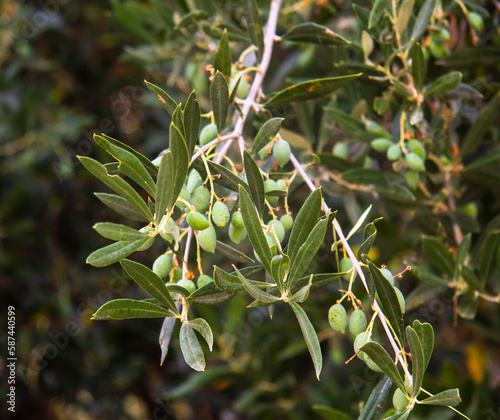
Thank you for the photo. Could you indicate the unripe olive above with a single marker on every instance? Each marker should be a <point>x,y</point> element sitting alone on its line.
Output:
<point>220,214</point>
<point>208,133</point>
<point>237,234</point>
<point>341,151</point>
<point>207,239</point>
<point>281,184</point>
<point>414,162</point>
<point>344,266</point>
<point>388,275</point>
<point>287,221</point>
<point>197,220</point>
<point>441,35</point>
<point>470,209</point>
<point>401,300</point>
<point>476,20</point>
<point>184,194</point>
<point>177,274</point>
<point>278,229</point>
<point>381,144</point>
<point>394,152</point>
<point>412,179</point>
<point>194,181</point>
<point>368,163</point>
<point>149,242</point>
<point>187,284</point>
<point>360,341</point>
<point>337,317</point>
<point>281,152</point>
<point>203,280</point>
<point>371,364</point>
<point>399,400</point>
<point>162,266</point>
<point>375,128</point>
<point>357,322</point>
<point>200,199</point>
<point>416,147</point>
<point>270,185</point>
<point>237,220</point>
<point>438,50</point>
<point>242,90</point>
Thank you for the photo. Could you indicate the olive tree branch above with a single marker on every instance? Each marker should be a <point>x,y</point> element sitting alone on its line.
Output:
<point>355,263</point>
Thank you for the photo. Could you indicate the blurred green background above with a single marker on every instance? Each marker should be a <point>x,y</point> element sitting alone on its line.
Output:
<point>67,70</point>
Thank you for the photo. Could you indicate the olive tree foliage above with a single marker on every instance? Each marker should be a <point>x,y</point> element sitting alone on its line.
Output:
<point>230,169</point>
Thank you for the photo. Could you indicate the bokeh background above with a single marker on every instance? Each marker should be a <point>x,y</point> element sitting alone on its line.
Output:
<point>71,68</point>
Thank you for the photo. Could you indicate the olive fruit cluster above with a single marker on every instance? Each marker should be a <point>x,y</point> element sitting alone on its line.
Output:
<point>337,317</point>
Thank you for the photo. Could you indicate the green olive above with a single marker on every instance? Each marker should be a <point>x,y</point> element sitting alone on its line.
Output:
<point>337,317</point>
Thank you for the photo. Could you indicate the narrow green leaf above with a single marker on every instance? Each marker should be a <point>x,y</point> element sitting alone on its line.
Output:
<point>192,118</point>
<point>358,224</point>
<point>231,283</point>
<point>202,326</point>
<point>113,253</point>
<point>376,399</point>
<point>222,59</point>
<point>192,17</point>
<point>423,19</point>
<point>449,398</point>
<point>404,14</point>
<point>318,280</point>
<point>121,206</point>
<point>480,127</point>
<point>255,26</point>
<point>427,277</point>
<point>255,182</point>
<point>254,291</point>
<point>130,21</point>
<point>279,268</point>
<point>310,337</point>
<point>304,222</point>
<point>382,359</point>
<point>165,336</point>
<point>175,288</point>
<point>164,186</point>
<point>118,232</point>
<point>311,89</point>
<point>399,416</point>
<point>467,305</point>
<point>180,164</point>
<point>129,165</point>
<point>307,251</point>
<point>425,333</point>
<point>234,33</point>
<point>117,184</point>
<point>417,361</point>
<point>254,229</point>
<point>314,33</point>
<point>369,235</point>
<point>329,413</point>
<point>129,308</point>
<point>168,103</point>
<point>439,256</point>
<point>211,295</point>
<point>388,301</point>
<point>219,98</point>
<point>462,252</point>
<point>150,282</point>
<point>418,66</point>
<point>232,253</point>
<point>191,349</point>
<point>267,132</point>
<point>443,84</point>
<point>488,256</point>
<point>165,13</point>
<point>303,293</point>
<point>225,179</point>
<point>376,12</point>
